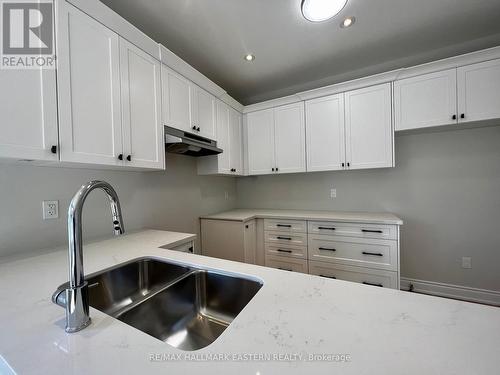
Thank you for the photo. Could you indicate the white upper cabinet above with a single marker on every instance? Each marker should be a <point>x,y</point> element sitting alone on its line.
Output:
<point>426,100</point>
<point>276,140</point>
<point>143,144</point>
<point>88,89</point>
<point>203,113</point>
<point>235,142</point>
<point>223,140</point>
<point>325,133</point>
<point>479,91</point>
<point>29,114</point>
<point>176,100</point>
<point>229,139</point>
<point>289,138</point>
<point>369,134</point>
<point>260,142</point>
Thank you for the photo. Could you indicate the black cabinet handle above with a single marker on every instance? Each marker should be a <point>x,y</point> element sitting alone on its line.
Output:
<point>273,169</point>
<point>284,238</point>
<point>372,284</point>
<point>374,254</point>
<point>330,277</point>
<point>326,249</point>
<point>343,165</point>
<point>120,157</point>
<point>246,226</point>
<point>462,115</point>
<point>193,127</point>
<point>348,164</point>
<point>371,231</point>
<point>190,249</point>
<point>53,149</point>
<point>284,251</point>
<point>454,117</point>
<point>129,157</point>
<point>284,225</point>
<point>277,169</point>
<point>326,228</point>
<point>284,269</point>
<point>198,128</point>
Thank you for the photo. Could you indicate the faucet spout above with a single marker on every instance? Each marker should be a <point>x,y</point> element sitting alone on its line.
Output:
<point>77,298</point>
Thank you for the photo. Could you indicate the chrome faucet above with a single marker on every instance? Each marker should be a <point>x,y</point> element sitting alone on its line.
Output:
<point>77,296</point>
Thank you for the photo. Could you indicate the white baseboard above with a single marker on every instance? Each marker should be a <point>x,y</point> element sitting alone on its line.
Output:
<point>489,297</point>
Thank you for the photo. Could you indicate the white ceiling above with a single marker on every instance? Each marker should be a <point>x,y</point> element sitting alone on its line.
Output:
<point>293,54</point>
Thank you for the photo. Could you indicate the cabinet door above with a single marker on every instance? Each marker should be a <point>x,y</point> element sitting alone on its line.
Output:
<point>260,142</point>
<point>141,108</point>
<point>369,134</point>
<point>235,141</point>
<point>479,91</point>
<point>29,114</point>
<point>203,114</point>
<point>426,100</point>
<point>88,89</point>
<point>223,139</point>
<point>177,96</point>
<point>289,138</point>
<point>325,133</point>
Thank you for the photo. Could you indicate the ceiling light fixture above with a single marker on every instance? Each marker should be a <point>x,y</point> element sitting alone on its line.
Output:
<point>349,21</point>
<point>249,57</point>
<point>321,10</point>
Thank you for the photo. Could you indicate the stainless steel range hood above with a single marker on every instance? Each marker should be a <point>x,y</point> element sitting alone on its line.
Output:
<point>185,143</point>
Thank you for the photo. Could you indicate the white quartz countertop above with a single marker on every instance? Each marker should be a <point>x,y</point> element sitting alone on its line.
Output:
<point>352,217</point>
<point>383,331</point>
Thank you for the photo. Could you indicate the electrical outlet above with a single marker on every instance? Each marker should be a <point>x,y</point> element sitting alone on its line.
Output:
<point>333,193</point>
<point>466,262</point>
<point>50,210</point>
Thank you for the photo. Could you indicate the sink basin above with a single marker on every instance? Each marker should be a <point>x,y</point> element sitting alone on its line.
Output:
<point>185,307</point>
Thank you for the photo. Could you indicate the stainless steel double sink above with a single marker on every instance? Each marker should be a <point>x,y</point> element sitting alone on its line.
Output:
<point>184,306</point>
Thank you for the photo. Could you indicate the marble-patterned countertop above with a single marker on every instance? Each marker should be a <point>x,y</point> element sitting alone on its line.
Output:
<point>343,216</point>
<point>379,331</point>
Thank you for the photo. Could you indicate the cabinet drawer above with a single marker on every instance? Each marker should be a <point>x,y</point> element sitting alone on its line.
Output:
<point>285,225</point>
<point>380,254</point>
<point>294,239</point>
<point>381,231</point>
<point>286,250</point>
<point>386,279</point>
<point>287,264</point>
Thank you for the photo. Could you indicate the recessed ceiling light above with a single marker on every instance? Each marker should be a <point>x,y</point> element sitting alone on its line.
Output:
<point>349,21</point>
<point>249,57</point>
<point>321,10</point>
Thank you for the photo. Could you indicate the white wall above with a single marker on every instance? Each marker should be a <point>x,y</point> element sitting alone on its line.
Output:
<point>446,187</point>
<point>171,200</point>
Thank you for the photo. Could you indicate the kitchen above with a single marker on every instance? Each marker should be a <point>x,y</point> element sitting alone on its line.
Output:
<point>349,199</point>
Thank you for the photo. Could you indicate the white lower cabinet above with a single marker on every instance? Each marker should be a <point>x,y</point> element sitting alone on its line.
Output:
<point>226,239</point>
<point>367,276</point>
<point>287,264</point>
<point>366,253</point>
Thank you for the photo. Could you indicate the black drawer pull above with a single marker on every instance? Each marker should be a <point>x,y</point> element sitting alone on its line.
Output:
<point>375,254</point>
<point>284,251</point>
<point>284,225</point>
<point>284,238</point>
<point>326,228</point>
<point>326,249</point>
<point>329,277</point>
<point>53,149</point>
<point>371,231</point>
<point>284,269</point>
<point>372,284</point>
